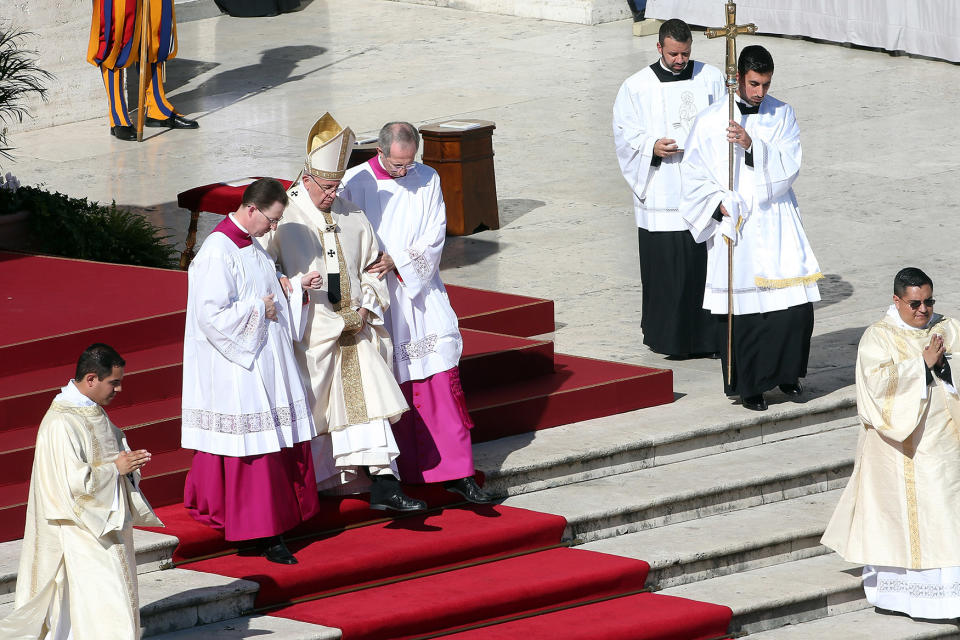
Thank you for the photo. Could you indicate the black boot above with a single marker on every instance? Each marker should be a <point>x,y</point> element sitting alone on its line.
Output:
<point>275,549</point>
<point>386,494</point>
<point>469,489</point>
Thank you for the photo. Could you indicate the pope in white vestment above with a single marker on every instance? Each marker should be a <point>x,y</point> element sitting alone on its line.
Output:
<point>899,513</point>
<point>345,353</point>
<point>404,203</point>
<point>78,573</point>
<point>774,269</point>
<point>655,105</point>
<point>244,406</point>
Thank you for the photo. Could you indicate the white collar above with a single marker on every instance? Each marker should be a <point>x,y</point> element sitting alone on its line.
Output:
<point>671,71</point>
<point>894,316</point>
<point>71,395</point>
<point>234,220</point>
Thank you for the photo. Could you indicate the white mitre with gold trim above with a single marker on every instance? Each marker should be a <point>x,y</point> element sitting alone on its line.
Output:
<point>328,149</point>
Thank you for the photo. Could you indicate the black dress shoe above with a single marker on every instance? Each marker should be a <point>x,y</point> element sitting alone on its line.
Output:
<point>792,390</point>
<point>124,132</point>
<point>386,495</point>
<point>469,489</point>
<point>176,121</point>
<point>755,403</point>
<point>275,550</point>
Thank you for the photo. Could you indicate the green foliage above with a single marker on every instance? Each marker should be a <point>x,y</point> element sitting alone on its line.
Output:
<point>76,228</point>
<point>19,77</point>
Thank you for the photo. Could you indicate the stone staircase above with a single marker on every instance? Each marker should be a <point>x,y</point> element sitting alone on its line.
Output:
<point>730,513</point>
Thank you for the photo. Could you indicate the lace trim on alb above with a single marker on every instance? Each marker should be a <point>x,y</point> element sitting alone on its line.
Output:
<point>253,334</point>
<point>918,589</point>
<point>420,264</point>
<point>281,418</point>
<point>416,348</point>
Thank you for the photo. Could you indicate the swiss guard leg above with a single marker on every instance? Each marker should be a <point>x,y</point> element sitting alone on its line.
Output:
<point>117,113</point>
<point>160,113</point>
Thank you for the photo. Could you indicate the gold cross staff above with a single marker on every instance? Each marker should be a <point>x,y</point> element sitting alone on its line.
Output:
<point>730,32</point>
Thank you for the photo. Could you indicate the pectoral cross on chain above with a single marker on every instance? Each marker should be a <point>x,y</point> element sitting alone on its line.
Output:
<point>730,32</point>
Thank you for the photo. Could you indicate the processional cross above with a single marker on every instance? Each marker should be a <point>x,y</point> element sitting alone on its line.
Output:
<point>730,32</point>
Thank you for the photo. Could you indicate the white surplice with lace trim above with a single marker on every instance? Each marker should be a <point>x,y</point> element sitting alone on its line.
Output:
<point>409,217</point>
<point>242,392</point>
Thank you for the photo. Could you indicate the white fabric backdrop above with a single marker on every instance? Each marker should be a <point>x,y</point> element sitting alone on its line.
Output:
<point>924,27</point>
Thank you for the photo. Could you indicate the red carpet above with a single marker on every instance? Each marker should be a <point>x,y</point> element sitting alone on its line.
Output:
<point>371,576</point>
<point>645,616</point>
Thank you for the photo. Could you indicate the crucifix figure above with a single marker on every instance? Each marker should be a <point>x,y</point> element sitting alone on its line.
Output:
<point>730,32</point>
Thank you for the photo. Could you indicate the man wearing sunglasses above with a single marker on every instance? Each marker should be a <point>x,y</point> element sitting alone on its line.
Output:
<point>898,514</point>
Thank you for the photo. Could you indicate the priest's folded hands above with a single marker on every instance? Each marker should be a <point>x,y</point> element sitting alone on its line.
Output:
<point>130,461</point>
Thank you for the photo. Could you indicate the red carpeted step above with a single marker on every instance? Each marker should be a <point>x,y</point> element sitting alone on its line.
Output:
<point>501,312</point>
<point>12,518</point>
<point>473,594</point>
<point>140,388</point>
<point>37,378</point>
<point>644,616</point>
<point>31,313</point>
<point>493,358</point>
<point>336,512</point>
<point>393,549</point>
<point>580,389</point>
<point>60,352</point>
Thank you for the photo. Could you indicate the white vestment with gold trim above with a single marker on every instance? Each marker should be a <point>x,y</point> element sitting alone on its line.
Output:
<point>78,573</point>
<point>773,264</point>
<point>349,379</point>
<point>899,512</point>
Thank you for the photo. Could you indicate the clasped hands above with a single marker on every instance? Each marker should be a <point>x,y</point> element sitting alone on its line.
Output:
<point>130,461</point>
<point>934,354</point>
<point>312,280</point>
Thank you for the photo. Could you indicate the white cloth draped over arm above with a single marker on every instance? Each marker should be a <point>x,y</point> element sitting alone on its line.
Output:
<point>236,328</point>
<point>374,297</point>
<point>419,262</point>
<point>633,142</point>
<point>777,164</point>
<point>890,395</point>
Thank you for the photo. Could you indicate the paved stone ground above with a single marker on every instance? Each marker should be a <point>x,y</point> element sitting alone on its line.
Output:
<point>878,132</point>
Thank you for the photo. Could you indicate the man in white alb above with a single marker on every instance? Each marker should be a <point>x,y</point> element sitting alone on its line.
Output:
<point>323,243</point>
<point>774,269</point>
<point>652,115</point>
<point>244,407</point>
<point>404,203</point>
<point>78,570</point>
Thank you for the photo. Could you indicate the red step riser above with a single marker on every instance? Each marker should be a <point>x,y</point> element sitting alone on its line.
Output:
<point>157,437</point>
<point>138,387</point>
<point>535,414</point>
<point>11,522</point>
<point>125,338</point>
<point>532,319</point>
<point>506,367</point>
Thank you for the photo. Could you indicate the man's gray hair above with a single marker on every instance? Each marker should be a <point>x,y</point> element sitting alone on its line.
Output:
<point>403,132</point>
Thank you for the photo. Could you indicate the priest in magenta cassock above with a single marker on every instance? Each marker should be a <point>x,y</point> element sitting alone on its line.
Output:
<point>244,407</point>
<point>404,203</point>
<point>652,115</point>
<point>323,245</point>
<point>78,570</point>
<point>774,269</point>
<point>899,513</point>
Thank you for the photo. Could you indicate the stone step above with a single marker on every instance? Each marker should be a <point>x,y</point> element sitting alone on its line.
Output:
<point>783,594</point>
<point>260,627</point>
<point>176,599</point>
<point>153,550</point>
<point>642,439</point>
<point>865,624</point>
<point>618,504</point>
<point>729,542</point>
